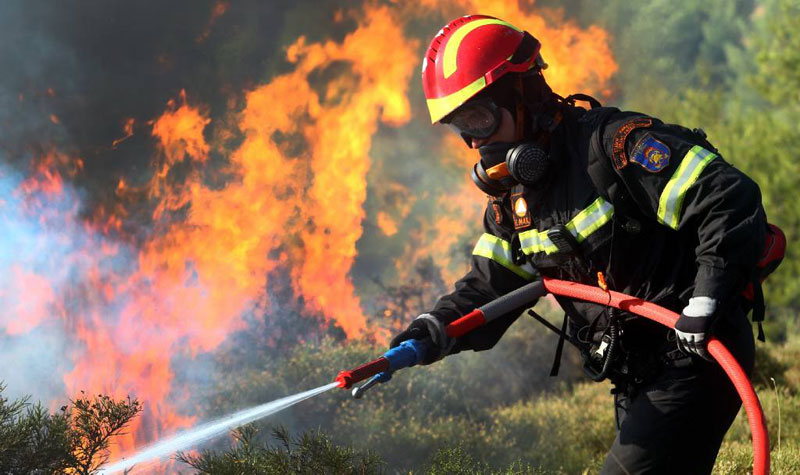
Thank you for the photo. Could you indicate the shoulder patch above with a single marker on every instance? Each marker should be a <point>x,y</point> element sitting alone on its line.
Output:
<point>651,153</point>
<point>618,148</point>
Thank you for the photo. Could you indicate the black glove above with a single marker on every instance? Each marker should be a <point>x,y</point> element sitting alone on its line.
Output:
<point>428,328</point>
<point>694,325</point>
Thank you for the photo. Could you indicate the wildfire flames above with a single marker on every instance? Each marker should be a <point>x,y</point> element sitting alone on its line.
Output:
<point>294,196</point>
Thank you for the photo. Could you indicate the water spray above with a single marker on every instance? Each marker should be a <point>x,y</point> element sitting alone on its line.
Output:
<point>191,437</point>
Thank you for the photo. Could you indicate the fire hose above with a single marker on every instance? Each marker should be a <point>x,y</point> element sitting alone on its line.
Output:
<point>411,352</point>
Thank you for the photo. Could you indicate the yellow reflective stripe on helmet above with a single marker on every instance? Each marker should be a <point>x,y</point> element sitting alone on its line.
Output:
<point>582,225</point>
<point>498,250</point>
<point>671,200</point>
<point>441,106</point>
<point>449,65</point>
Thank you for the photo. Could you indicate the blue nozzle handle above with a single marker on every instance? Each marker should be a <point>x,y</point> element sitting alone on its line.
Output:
<point>406,354</point>
<point>383,377</point>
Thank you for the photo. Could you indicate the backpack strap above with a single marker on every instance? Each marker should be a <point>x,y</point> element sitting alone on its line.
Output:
<point>562,336</point>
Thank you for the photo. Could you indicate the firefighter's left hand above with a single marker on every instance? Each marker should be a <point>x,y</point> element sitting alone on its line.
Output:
<point>694,325</point>
<point>431,329</point>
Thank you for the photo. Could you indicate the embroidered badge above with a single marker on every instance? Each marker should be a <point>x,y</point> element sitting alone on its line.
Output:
<point>618,147</point>
<point>651,153</point>
<point>522,215</point>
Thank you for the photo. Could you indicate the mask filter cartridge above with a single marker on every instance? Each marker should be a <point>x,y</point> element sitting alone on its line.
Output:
<point>529,164</point>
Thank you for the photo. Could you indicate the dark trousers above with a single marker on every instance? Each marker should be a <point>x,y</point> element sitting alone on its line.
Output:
<point>676,423</point>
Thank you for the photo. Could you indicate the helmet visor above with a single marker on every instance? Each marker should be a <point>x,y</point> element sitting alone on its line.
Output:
<point>478,119</point>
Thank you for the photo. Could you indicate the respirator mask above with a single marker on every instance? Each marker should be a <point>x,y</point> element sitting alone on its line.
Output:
<point>503,164</point>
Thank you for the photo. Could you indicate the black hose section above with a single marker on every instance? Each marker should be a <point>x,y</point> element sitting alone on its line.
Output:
<point>523,296</point>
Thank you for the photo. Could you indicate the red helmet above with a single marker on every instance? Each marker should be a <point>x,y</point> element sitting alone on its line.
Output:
<point>469,54</point>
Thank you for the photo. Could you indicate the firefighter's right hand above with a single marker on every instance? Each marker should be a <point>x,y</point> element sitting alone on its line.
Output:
<point>428,328</point>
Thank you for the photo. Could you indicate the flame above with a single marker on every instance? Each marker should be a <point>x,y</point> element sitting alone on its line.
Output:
<point>180,131</point>
<point>127,127</point>
<point>24,315</point>
<point>387,225</point>
<point>456,220</point>
<point>345,119</point>
<point>219,9</point>
<point>394,203</point>
<point>194,280</point>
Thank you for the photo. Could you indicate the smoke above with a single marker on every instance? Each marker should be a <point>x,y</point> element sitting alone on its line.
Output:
<point>46,252</point>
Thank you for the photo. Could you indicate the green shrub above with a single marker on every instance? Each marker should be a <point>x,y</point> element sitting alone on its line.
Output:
<point>74,440</point>
<point>566,432</point>
<point>312,453</point>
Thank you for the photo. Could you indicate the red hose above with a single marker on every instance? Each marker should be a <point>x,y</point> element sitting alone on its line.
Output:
<point>755,415</point>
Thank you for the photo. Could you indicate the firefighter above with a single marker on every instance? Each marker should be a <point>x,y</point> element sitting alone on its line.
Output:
<point>652,208</point>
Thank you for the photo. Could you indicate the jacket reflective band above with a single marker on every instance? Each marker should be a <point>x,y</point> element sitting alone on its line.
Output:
<point>581,226</point>
<point>498,250</point>
<point>671,200</point>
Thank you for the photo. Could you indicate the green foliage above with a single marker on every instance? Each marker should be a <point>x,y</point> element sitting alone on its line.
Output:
<point>455,461</point>
<point>778,53</point>
<point>312,453</point>
<point>31,440</point>
<point>458,461</point>
<point>663,48</point>
<point>769,368</point>
<point>788,355</point>
<point>74,440</point>
<point>552,435</point>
